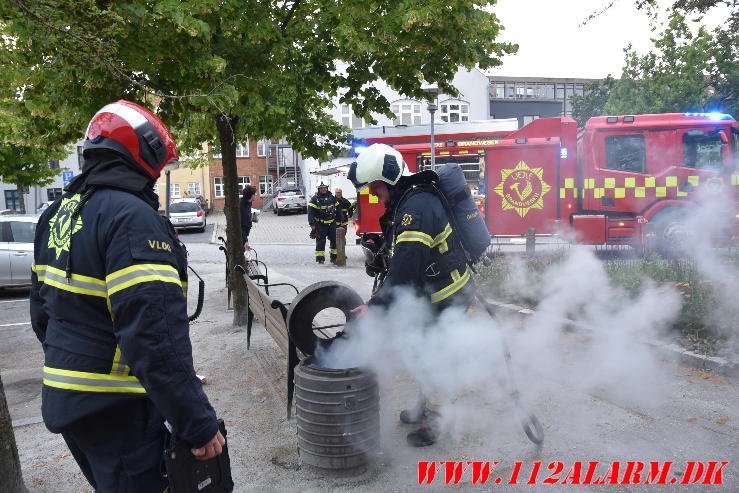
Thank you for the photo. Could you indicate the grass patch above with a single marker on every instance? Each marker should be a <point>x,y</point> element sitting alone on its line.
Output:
<point>703,324</point>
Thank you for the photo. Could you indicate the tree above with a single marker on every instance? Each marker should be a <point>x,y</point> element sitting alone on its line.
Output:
<point>221,71</point>
<point>11,478</point>
<point>24,160</point>
<point>684,72</point>
<point>593,101</point>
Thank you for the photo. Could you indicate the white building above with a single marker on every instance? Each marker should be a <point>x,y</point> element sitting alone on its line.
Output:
<point>37,195</point>
<point>469,107</point>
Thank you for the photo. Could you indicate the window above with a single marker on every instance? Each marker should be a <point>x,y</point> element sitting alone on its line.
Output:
<point>53,164</point>
<point>529,118</point>
<point>265,184</point>
<point>570,90</point>
<point>80,157</point>
<point>702,149</point>
<point>218,187</point>
<point>349,119</point>
<point>184,207</point>
<point>215,152</point>
<point>544,91</point>
<point>53,193</point>
<point>407,112</point>
<point>193,188</point>
<point>22,232</point>
<point>244,181</point>
<point>174,190</point>
<point>242,149</point>
<point>510,90</point>
<point>579,89</point>
<point>262,147</point>
<point>626,153</point>
<point>499,90</point>
<point>455,111</point>
<point>560,93</point>
<point>11,200</point>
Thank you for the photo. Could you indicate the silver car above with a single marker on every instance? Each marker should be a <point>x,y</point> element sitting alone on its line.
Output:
<point>290,200</point>
<point>187,214</point>
<point>16,249</point>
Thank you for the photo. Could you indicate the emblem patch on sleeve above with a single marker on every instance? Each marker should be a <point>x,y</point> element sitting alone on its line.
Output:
<point>407,220</point>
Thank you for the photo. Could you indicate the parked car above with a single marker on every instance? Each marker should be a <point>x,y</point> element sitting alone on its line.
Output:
<point>187,214</point>
<point>16,249</point>
<point>289,200</point>
<point>44,206</point>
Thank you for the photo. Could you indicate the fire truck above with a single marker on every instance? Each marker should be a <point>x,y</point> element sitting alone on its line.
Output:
<point>619,180</point>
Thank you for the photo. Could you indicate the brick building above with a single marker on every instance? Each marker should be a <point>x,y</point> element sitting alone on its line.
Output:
<point>255,165</point>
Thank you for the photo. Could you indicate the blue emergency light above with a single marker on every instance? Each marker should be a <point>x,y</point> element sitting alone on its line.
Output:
<point>714,115</point>
<point>563,153</point>
<point>359,149</point>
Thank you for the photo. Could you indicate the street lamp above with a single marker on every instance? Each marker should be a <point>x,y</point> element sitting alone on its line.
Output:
<point>433,91</point>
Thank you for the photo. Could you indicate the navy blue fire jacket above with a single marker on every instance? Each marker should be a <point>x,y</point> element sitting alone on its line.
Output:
<point>417,236</point>
<point>112,318</point>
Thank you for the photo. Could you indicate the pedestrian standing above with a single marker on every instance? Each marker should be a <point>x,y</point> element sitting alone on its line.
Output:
<point>245,201</point>
<point>108,303</point>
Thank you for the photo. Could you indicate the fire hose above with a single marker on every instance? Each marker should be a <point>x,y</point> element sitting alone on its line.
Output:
<point>531,424</point>
<point>201,295</point>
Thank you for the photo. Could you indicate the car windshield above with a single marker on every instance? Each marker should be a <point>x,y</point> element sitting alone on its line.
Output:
<point>183,207</point>
<point>290,192</point>
<point>22,231</point>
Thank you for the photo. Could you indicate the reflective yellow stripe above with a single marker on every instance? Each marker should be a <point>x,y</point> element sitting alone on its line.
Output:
<point>415,236</point>
<point>75,284</point>
<point>91,382</point>
<point>319,253</point>
<point>333,251</point>
<point>325,221</point>
<point>119,366</point>
<point>441,237</point>
<point>140,273</point>
<point>311,204</point>
<point>457,284</point>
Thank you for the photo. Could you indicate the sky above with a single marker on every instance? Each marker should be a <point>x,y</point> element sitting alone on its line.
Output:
<point>553,44</point>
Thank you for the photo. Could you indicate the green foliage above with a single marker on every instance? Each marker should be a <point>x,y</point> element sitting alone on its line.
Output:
<point>684,72</point>
<point>593,101</point>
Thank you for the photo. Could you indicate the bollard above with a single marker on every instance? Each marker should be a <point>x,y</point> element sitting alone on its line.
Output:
<point>341,246</point>
<point>530,241</point>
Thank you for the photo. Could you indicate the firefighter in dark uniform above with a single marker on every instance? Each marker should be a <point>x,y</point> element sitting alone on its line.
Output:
<point>346,208</point>
<point>323,211</point>
<point>108,303</point>
<point>422,252</point>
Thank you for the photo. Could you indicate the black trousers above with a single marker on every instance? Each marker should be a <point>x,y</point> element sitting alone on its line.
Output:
<point>120,449</point>
<point>322,232</point>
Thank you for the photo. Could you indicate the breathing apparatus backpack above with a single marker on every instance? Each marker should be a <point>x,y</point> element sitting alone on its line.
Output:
<point>449,184</point>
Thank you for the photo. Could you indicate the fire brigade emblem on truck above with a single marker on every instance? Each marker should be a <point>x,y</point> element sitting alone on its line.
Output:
<point>60,226</point>
<point>522,188</point>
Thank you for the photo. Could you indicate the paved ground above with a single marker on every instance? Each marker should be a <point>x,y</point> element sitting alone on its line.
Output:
<point>624,404</point>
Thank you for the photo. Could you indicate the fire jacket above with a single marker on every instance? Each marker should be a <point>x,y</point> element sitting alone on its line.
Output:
<point>347,211</point>
<point>108,303</point>
<point>419,240</point>
<point>323,211</point>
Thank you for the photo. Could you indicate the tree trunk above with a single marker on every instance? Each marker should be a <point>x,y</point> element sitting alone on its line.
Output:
<point>11,479</point>
<point>226,129</point>
<point>21,196</point>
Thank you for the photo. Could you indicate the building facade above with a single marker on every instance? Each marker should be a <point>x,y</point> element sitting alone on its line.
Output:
<point>529,98</point>
<point>260,163</point>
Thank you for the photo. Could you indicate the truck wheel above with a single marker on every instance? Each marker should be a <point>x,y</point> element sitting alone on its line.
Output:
<point>669,236</point>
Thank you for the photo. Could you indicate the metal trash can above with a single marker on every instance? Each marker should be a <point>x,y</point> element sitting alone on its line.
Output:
<point>338,416</point>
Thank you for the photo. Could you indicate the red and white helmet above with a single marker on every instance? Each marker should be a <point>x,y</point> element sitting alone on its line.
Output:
<point>135,132</point>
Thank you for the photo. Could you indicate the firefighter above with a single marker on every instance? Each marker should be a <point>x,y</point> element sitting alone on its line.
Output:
<point>346,207</point>
<point>423,252</point>
<point>323,211</point>
<point>108,303</point>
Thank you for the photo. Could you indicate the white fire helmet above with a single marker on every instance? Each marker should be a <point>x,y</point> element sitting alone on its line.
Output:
<point>377,162</point>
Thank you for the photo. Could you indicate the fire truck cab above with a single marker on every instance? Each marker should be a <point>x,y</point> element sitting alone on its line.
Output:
<point>619,180</point>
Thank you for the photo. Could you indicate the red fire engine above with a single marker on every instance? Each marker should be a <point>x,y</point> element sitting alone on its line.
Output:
<point>599,185</point>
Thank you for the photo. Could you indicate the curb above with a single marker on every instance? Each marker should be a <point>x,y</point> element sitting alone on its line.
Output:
<point>686,357</point>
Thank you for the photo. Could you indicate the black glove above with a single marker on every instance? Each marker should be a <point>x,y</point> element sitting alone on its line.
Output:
<point>312,234</point>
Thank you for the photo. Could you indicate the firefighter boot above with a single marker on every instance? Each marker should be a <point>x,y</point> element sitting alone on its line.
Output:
<point>422,414</point>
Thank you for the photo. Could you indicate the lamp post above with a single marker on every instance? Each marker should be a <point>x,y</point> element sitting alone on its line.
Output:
<point>433,91</point>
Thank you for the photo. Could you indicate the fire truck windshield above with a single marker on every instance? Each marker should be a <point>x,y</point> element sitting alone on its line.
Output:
<point>702,149</point>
